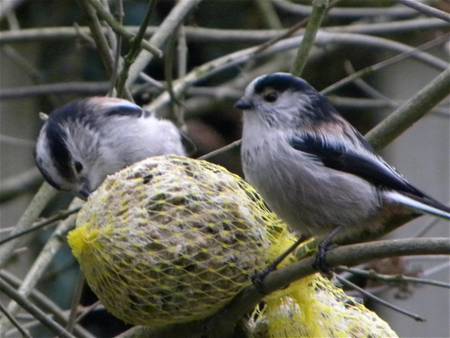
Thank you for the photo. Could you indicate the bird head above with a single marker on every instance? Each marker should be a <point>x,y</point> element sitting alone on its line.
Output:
<point>281,100</point>
<point>70,151</point>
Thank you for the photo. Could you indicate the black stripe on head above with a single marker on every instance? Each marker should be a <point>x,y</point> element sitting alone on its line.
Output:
<point>125,110</point>
<point>281,82</point>
<point>58,149</point>
<point>46,175</point>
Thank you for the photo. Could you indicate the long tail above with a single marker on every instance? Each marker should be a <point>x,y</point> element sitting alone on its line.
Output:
<point>425,205</point>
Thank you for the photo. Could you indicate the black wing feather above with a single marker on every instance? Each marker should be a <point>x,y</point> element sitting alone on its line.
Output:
<point>339,157</point>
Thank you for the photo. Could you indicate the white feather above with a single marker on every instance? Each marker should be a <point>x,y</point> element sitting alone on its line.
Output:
<point>397,197</point>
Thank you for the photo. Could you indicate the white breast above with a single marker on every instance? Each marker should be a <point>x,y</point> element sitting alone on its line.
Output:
<point>308,196</point>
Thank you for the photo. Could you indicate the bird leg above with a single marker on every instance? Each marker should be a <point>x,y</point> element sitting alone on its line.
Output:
<point>320,262</point>
<point>258,277</point>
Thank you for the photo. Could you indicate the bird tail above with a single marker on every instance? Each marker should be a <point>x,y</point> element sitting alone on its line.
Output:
<point>424,205</point>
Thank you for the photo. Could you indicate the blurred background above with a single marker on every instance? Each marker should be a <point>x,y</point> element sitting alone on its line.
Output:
<point>41,72</point>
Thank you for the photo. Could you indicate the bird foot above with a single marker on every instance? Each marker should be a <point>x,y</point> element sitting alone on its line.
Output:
<point>258,278</point>
<point>320,261</point>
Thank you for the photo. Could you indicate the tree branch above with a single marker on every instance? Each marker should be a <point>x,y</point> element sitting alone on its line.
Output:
<point>118,28</point>
<point>411,111</point>
<point>318,13</point>
<point>323,38</point>
<point>165,30</point>
<point>347,12</point>
<point>34,310</point>
<point>135,48</point>
<point>224,321</point>
<point>31,213</point>
<point>425,9</point>
<point>209,35</point>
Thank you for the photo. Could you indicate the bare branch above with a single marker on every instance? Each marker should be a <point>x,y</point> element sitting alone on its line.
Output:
<point>391,279</point>
<point>318,13</point>
<point>39,225</point>
<point>17,185</point>
<point>117,27</point>
<point>14,322</point>
<point>34,310</point>
<point>135,48</point>
<point>348,12</point>
<point>32,212</point>
<point>323,38</point>
<point>354,254</point>
<point>425,9</point>
<point>411,111</point>
<point>209,35</point>
<point>45,304</point>
<point>98,36</point>
<point>379,300</point>
<point>165,30</point>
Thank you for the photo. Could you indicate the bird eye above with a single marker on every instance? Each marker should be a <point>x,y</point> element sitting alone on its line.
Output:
<point>270,96</point>
<point>78,167</point>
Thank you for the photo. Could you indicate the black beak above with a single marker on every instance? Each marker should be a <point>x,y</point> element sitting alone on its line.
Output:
<point>83,194</point>
<point>244,103</point>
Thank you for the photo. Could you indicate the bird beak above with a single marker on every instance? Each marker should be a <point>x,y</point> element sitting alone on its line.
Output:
<point>244,103</point>
<point>84,192</point>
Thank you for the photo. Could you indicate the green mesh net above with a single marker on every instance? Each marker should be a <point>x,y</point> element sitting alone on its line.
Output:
<point>172,239</point>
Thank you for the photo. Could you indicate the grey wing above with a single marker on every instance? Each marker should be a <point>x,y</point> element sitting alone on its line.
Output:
<point>370,167</point>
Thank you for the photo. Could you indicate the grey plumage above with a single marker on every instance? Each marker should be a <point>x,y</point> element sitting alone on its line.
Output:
<point>86,140</point>
<point>313,168</point>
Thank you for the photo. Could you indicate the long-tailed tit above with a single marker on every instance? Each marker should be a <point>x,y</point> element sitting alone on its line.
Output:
<point>313,168</point>
<point>86,140</point>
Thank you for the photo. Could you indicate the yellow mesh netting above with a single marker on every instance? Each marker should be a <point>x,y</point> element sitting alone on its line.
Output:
<point>171,239</point>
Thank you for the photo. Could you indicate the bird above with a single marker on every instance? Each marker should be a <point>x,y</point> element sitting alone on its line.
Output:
<point>314,169</point>
<point>87,139</point>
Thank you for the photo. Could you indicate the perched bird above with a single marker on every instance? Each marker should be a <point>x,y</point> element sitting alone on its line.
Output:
<point>86,140</point>
<point>314,169</point>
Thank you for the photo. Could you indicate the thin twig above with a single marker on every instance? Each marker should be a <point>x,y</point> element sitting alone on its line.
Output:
<point>323,38</point>
<point>119,13</point>
<point>31,213</point>
<point>98,35</point>
<point>314,22</point>
<point>354,254</point>
<point>211,35</point>
<point>168,73</point>
<point>425,9</point>
<point>39,225</point>
<point>16,141</point>
<point>45,304</point>
<point>269,14</point>
<point>348,12</point>
<point>14,322</point>
<point>182,58</point>
<point>34,310</point>
<point>366,87</point>
<point>117,27</point>
<point>398,279</point>
<point>61,88</point>
<point>165,30</point>
<point>437,268</point>
<point>22,183</point>
<point>41,263</point>
<point>87,310</point>
<point>75,302</point>
<point>135,48</point>
<point>379,300</point>
<point>382,64</point>
<point>222,150</point>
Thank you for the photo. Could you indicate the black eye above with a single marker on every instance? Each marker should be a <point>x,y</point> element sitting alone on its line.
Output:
<point>270,96</point>
<point>78,167</point>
